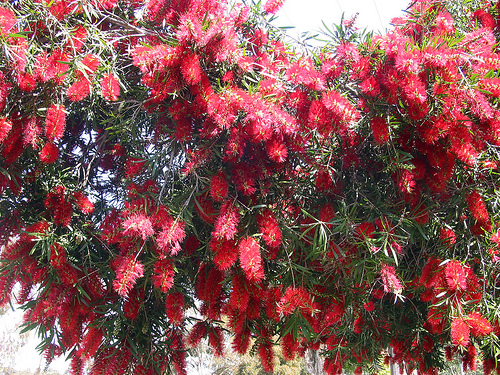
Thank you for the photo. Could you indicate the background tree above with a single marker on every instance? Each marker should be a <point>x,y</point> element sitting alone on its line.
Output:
<point>169,155</point>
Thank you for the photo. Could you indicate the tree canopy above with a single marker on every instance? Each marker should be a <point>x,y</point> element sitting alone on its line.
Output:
<point>175,170</point>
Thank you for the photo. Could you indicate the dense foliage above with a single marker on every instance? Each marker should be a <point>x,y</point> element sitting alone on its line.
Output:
<point>172,170</point>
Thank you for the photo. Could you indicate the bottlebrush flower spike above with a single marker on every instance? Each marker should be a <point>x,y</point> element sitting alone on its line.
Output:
<point>479,325</point>
<point>171,236</point>
<point>269,227</point>
<point>55,122</point>
<point>460,332</point>
<point>133,303</point>
<point>138,225</point>
<point>128,270</point>
<point>216,340</point>
<point>240,296</point>
<point>79,90</point>
<point>390,280</point>
<point>380,130</point>
<point>455,275</point>
<point>5,127</point>
<point>198,332</point>
<point>49,153</point>
<point>226,253</point>
<point>83,203</point>
<point>226,224</point>
<point>7,21</point>
<point>110,87</point>
<point>163,277</point>
<point>250,259</point>
<point>272,6</point>
<point>219,187</point>
<point>477,207</point>
<point>174,306</point>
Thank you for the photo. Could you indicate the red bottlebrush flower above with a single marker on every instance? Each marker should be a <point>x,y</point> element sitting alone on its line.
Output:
<point>455,275</point>
<point>448,237</point>
<point>369,306</point>
<point>49,153</point>
<point>276,150</point>
<point>83,203</point>
<point>55,122</point>
<point>7,21</point>
<point>484,18</point>
<point>477,207</point>
<point>163,277</point>
<point>191,245</point>
<point>219,187</point>
<point>225,252</point>
<point>197,333</point>
<point>269,227</point>
<point>250,259</point>
<point>78,37</point>
<point>226,224</point>
<point>171,236</point>
<point>110,88</point>
<point>174,306</point>
<point>358,324</point>
<point>266,355</point>
<point>63,213</point>
<point>365,230</point>
<point>133,303</point>
<point>272,6</point>
<point>216,340</point>
<point>91,342</point>
<point>380,129</point>
<point>292,299</point>
<point>460,332</point>
<point>240,296</point>
<point>5,127</point>
<point>91,63</point>
<point>26,82</point>
<point>390,280</point>
<point>133,167</point>
<point>77,365</point>
<point>479,325</point>
<point>128,270</point>
<point>138,225</point>
<point>79,90</point>
<point>191,69</point>
<point>289,347</point>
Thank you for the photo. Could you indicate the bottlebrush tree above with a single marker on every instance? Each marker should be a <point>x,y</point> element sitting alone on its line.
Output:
<point>173,171</point>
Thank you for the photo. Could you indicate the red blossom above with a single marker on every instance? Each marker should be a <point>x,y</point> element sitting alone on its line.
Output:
<point>79,90</point>
<point>250,259</point>
<point>479,325</point>
<point>163,277</point>
<point>380,130</point>
<point>455,275</point>
<point>110,88</point>
<point>460,332</point>
<point>138,225</point>
<point>272,6</point>
<point>219,187</point>
<point>174,306</point>
<point>226,224</point>
<point>49,153</point>
<point>7,21</point>
<point>128,270</point>
<point>55,122</point>
<point>83,203</point>
<point>390,280</point>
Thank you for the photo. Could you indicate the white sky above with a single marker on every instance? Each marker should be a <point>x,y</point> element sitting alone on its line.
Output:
<point>305,15</point>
